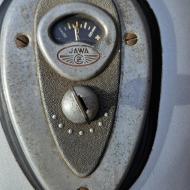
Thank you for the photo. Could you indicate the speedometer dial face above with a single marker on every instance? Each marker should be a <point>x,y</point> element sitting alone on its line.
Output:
<point>76,28</point>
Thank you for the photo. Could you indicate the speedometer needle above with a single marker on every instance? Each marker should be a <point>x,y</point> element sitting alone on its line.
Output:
<point>77,32</point>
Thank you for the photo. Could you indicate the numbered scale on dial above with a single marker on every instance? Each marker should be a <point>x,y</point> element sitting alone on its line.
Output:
<point>76,28</point>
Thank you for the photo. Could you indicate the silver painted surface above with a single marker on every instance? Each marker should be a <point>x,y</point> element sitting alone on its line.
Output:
<point>160,172</point>
<point>169,167</point>
<point>11,176</point>
<point>34,135</point>
<point>51,49</point>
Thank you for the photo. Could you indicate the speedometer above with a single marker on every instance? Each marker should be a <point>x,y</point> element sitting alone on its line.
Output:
<point>76,28</point>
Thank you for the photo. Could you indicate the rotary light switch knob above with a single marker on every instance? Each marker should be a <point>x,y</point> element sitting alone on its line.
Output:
<point>80,105</point>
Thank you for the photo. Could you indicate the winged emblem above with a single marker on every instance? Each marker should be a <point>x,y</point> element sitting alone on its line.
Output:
<point>78,55</point>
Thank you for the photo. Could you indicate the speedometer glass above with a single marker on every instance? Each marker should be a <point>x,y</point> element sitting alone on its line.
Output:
<point>76,28</point>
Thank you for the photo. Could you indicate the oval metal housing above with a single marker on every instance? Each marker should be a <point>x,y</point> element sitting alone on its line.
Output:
<point>23,100</point>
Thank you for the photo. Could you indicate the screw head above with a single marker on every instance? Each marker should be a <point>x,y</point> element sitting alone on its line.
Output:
<point>130,39</point>
<point>21,41</point>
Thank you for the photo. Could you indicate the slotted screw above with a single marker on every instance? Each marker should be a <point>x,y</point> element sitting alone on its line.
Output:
<point>22,41</point>
<point>130,39</point>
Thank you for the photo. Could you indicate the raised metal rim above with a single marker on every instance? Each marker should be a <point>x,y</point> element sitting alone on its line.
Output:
<point>45,41</point>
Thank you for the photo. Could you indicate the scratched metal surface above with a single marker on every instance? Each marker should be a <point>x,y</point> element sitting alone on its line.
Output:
<point>165,160</point>
<point>19,80</point>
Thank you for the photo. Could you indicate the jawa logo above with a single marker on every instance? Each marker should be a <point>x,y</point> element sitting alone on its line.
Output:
<point>78,55</point>
<point>79,50</point>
